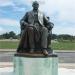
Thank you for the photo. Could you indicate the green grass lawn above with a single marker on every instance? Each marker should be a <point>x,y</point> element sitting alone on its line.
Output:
<point>55,45</point>
<point>9,44</point>
<point>63,46</point>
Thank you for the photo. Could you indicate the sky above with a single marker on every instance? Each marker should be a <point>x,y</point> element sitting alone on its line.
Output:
<point>61,13</point>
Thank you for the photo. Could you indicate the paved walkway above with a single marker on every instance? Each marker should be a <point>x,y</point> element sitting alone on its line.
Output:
<point>65,56</point>
<point>13,50</point>
<point>6,64</point>
<point>61,65</point>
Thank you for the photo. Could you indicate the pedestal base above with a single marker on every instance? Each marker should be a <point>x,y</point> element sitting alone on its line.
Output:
<point>35,65</point>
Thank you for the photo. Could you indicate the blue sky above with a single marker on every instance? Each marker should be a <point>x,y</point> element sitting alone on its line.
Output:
<point>61,13</point>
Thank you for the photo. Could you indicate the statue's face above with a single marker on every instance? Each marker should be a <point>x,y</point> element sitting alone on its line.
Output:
<point>35,6</point>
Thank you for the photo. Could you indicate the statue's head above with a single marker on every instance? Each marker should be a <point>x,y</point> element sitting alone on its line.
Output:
<point>35,5</point>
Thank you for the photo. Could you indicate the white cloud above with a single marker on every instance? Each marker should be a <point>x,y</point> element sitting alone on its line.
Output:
<point>2,30</point>
<point>66,9</point>
<point>18,9</point>
<point>9,22</point>
<point>64,30</point>
<point>5,3</point>
<point>22,2</point>
<point>49,7</point>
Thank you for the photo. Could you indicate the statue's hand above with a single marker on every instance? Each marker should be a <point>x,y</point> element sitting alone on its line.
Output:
<point>30,25</point>
<point>25,23</point>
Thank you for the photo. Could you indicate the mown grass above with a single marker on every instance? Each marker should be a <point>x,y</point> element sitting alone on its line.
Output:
<point>9,44</point>
<point>55,45</point>
<point>63,46</point>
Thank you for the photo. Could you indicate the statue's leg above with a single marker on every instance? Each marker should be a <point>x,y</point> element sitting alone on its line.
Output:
<point>44,35</point>
<point>50,50</point>
<point>49,37</point>
<point>31,38</point>
<point>21,43</point>
<point>37,40</point>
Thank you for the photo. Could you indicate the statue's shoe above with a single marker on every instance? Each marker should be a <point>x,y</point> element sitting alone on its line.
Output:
<point>45,52</point>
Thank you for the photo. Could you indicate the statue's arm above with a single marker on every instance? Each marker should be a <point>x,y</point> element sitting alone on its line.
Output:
<point>24,21</point>
<point>51,25</point>
<point>47,23</point>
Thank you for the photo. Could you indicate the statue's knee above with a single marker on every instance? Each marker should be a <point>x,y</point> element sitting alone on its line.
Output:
<point>30,28</point>
<point>45,29</point>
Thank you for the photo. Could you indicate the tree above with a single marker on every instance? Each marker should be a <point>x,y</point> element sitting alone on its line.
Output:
<point>65,37</point>
<point>8,35</point>
<point>54,36</point>
<point>12,34</point>
<point>5,36</point>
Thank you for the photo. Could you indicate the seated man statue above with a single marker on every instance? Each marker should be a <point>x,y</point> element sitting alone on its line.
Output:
<point>34,30</point>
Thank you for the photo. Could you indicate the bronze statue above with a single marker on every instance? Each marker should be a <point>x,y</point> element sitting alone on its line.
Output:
<point>36,31</point>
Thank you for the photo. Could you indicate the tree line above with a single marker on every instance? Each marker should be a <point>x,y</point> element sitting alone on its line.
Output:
<point>13,35</point>
<point>9,35</point>
<point>62,37</point>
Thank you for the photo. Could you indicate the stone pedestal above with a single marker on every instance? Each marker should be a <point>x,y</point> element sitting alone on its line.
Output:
<point>35,64</point>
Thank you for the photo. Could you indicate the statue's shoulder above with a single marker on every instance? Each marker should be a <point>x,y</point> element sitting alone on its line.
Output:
<point>33,12</point>
<point>29,11</point>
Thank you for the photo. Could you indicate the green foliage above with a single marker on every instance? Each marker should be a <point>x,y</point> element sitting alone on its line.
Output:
<point>10,35</point>
<point>54,36</point>
<point>63,37</point>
